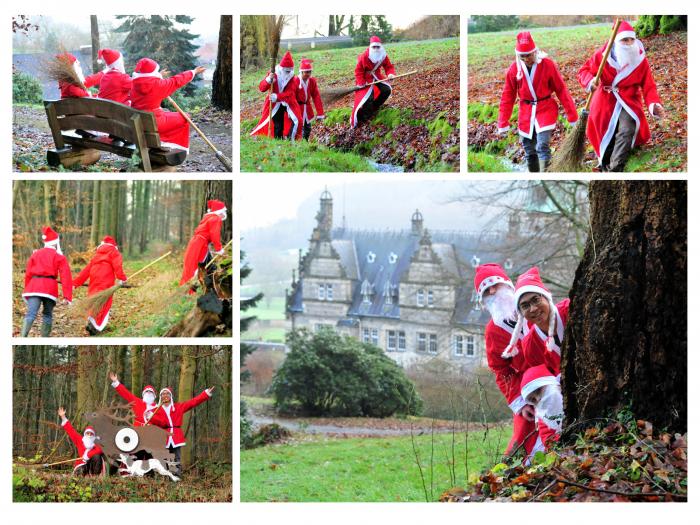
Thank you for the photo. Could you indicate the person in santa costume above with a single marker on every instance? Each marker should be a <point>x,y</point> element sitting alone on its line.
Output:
<point>306,93</point>
<point>616,122</point>
<point>116,83</point>
<point>69,90</point>
<point>541,389</point>
<point>495,292</point>
<point>286,112</point>
<point>542,344</point>
<point>169,416</point>
<point>44,267</point>
<point>149,88</point>
<point>207,233</point>
<point>104,268</point>
<point>532,79</point>
<point>91,461</point>
<point>370,64</point>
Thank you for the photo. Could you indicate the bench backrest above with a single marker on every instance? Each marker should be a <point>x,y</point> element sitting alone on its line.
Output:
<point>107,116</point>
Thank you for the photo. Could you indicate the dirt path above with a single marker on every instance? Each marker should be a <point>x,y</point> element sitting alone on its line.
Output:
<point>31,138</point>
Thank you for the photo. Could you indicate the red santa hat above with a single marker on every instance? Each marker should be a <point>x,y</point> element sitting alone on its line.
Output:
<point>306,65</point>
<point>625,31</point>
<point>68,57</point>
<point>89,429</point>
<point>149,388</point>
<point>110,56</point>
<point>524,43</point>
<point>530,282</point>
<point>287,60</point>
<point>48,235</point>
<point>108,239</point>
<point>214,206</point>
<point>488,275</point>
<point>374,40</point>
<point>146,67</point>
<point>166,389</point>
<point>534,378</point>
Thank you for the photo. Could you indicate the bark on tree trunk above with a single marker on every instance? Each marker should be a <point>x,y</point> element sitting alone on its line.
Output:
<point>222,83</point>
<point>188,366</point>
<point>626,338</point>
<point>95,40</point>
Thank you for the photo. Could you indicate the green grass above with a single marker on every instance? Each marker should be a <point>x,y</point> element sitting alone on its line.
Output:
<point>270,335</point>
<point>364,469</point>
<point>339,64</point>
<point>263,154</point>
<point>480,161</point>
<point>275,310</point>
<point>487,47</point>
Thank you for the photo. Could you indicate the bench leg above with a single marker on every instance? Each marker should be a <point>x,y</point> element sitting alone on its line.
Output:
<point>71,156</point>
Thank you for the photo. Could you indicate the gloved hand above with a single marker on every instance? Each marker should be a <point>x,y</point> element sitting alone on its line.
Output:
<point>503,131</point>
<point>320,117</point>
<point>220,252</point>
<point>390,76</point>
<point>269,78</point>
<point>273,97</point>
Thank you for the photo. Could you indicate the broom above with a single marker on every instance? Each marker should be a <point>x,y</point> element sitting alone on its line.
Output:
<point>275,24</point>
<point>219,155</point>
<point>194,286</point>
<point>94,303</point>
<point>60,69</point>
<point>331,95</point>
<point>569,156</point>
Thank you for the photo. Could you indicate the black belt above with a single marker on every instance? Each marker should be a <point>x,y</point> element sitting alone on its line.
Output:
<point>534,102</point>
<point>44,277</point>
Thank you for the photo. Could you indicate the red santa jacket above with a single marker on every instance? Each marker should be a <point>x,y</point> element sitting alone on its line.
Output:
<point>102,270</point>
<point>306,93</point>
<point>77,440</point>
<point>115,86</point>
<point>170,418</point>
<point>618,91</point>
<point>43,269</point>
<point>535,342</point>
<point>537,110</point>
<point>286,101</point>
<point>138,405</point>
<point>367,72</point>
<point>508,371</point>
<point>147,93</point>
<point>208,231</point>
<point>72,91</point>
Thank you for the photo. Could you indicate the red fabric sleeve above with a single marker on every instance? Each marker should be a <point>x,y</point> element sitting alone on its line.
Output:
<point>507,378</point>
<point>316,97</point>
<point>264,84</point>
<point>508,96</point>
<point>185,406</point>
<point>117,266</point>
<point>651,95</point>
<point>215,233</point>
<point>563,307</point>
<point>533,348</point>
<point>548,436</point>
<point>93,80</point>
<point>589,70</point>
<point>388,66</point>
<point>360,71</point>
<point>66,278</point>
<point>168,86</point>
<point>76,438</point>
<point>563,95</point>
<point>126,394</point>
<point>82,276</point>
<point>290,93</point>
<point>28,271</point>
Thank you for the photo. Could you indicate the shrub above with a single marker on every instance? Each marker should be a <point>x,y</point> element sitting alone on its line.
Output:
<point>26,89</point>
<point>329,374</point>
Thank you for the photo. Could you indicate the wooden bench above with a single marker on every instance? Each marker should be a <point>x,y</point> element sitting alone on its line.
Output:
<point>73,122</point>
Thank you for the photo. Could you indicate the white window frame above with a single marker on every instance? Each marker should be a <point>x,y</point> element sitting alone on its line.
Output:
<point>420,297</point>
<point>401,341</point>
<point>374,335</point>
<point>422,342</point>
<point>431,299</point>
<point>432,344</point>
<point>321,292</point>
<point>329,292</point>
<point>470,346</point>
<point>366,336</point>
<point>391,340</point>
<point>458,345</point>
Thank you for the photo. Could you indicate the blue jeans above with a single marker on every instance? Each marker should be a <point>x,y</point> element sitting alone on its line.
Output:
<point>34,303</point>
<point>538,144</point>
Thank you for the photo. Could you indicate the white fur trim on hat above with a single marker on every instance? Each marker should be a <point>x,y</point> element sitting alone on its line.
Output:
<point>625,34</point>
<point>537,383</point>
<point>530,288</point>
<point>492,281</point>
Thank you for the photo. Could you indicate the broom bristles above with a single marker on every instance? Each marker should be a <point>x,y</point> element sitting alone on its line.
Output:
<point>93,304</point>
<point>60,69</point>
<point>569,156</point>
<point>331,95</point>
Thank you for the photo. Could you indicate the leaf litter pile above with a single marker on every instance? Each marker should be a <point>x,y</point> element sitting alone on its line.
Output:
<point>605,463</point>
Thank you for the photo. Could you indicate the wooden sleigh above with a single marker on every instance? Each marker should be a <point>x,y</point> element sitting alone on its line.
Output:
<point>82,127</point>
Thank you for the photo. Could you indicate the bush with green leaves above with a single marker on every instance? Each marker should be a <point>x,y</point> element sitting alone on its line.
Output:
<point>326,374</point>
<point>26,89</point>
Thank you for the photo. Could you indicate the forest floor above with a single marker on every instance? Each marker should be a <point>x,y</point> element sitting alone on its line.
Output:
<point>339,466</point>
<point>149,308</point>
<point>210,483</point>
<point>416,130</point>
<point>31,138</point>
<point>490,54</point>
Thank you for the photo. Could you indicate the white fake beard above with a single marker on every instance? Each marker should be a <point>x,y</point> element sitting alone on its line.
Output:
<point>500,304</point>
<point>149,398</point>
<point>284,75</point>
<point>118,65</point>
<point>627,56</point>
<point>377,55</point>
<point>223,215</point>
<point>79,71</point>
<point>89,442</point>
<point>551,407</point>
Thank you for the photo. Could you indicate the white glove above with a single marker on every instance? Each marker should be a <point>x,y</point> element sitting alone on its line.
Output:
<point>273,97</point>
<point>390,76</point>
<point>269,78</point>
<point>320,117</point>
<point>503,131</point>
<point>220,252</point>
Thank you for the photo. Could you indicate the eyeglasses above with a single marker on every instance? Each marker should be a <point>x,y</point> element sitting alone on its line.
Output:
<point>526,305</point>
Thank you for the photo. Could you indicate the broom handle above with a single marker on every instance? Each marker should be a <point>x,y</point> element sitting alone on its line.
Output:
<point>608,48</point>
<point>272,84</point>
<point>188,119</point>
<point>214,258</point>
<point>357,88</point>
<point>149,265</point>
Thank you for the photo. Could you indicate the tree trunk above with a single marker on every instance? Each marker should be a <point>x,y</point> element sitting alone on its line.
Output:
<point>185,389</point>
<point>626,338</point>
<point>220,190</point>
<point>95,230</point>
<point>87,382</point>
<point>95,40</point>
<point>136,368</point>
<point>222,83</point>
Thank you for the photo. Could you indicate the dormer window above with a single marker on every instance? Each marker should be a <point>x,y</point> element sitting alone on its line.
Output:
<point>371,257</point>
<point>366,292</point>
<point>508,264</point>
<point>393,258</point>
<point>389,293</point>
<point>420,297</point>
<point>431,299</point>
<point>475,261</point>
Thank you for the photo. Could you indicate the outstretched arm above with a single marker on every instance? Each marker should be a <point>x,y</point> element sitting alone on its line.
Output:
<point>123,392</point>
<point>76,438</point>
<point>198,400</point>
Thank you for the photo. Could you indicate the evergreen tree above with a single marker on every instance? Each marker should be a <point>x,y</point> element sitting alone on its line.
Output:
<point>368,26</point>
<point>158,38</point>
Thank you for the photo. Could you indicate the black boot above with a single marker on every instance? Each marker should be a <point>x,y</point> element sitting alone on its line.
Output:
<point>533,163</point>
<point>91,329</point>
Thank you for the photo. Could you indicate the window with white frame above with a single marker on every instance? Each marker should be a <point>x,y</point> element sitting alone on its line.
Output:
<point>431,299</point>
<point>321,292</point>
<point>402,341</point>
<point>391,340</point>
<point>374,336</point>
<point>432,344</point>
<point>422,342</point>
<point>366,292</point>
<point>329,292</point>
<point>365,335</point>
<point>471,346</point>
<point>420,297</point>
<point>458,345</point>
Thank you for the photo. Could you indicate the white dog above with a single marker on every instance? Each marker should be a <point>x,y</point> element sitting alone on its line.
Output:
<point>140,467</point>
